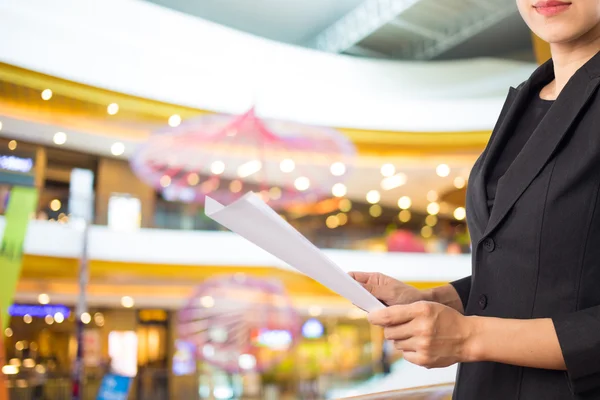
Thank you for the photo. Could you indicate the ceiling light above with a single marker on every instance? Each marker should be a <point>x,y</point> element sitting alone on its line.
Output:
<point>432,195</point>
<point>235,186</point>
<point>59,138</point>
<point>332,222</point>
<point>373,197</point>
<point>433,208</point>
<point>339,190</point>
<point>338,169</point>
<point>249,168</point>
<point>12,145</point>
<point>46,94</point>
<point>393,182</point>
<point>8,332</point>
<point>426,232</point>
<point>174,120</point>
<point>49,319</point>
<point>287,165</point>
<point>375,210</point>
<point>99,319</point>
<point>459,182</point>
<point>112,108</point>
<point>117,149</point>
<point>207,301</point>
<point>342,218</point>
<point>460,213</point>
<point>275,193</point>
<point>165,181</point>
<point>86,318</point>
<point>127,301</point>
<point>217,167</point>
<point>59,318</point>
<point>302,183</point>
<point>443,170</point>
<point>27,318</point>
<point>388,170</point>
<point>55,205</point>
<point>345,205</point>
<point>315,311</point>
<point>43,299</point>
<point>431,220</point>
<point>404,202</point>
<point>193,179</point>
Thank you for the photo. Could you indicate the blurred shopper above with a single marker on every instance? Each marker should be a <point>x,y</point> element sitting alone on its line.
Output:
<point>526,324</point>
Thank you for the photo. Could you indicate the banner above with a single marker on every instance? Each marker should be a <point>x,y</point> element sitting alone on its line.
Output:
<point>114,387</point>
<point>21,204</point>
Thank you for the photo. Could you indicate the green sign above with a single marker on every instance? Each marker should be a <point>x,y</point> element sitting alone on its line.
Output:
<point>21,203</point>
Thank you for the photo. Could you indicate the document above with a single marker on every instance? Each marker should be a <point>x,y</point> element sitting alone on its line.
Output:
<point>251,218</point>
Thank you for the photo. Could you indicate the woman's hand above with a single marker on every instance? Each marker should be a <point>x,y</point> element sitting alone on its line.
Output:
<point>430,334</point>
<point>388,290</point>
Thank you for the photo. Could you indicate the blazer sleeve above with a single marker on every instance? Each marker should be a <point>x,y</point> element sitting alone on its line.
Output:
<point>463,288</point>
<point>579,338</point>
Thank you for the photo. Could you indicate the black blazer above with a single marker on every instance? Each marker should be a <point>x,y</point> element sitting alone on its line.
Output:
<point>538,254</point>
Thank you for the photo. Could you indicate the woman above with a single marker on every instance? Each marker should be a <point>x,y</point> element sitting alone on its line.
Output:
<point>526,324</point>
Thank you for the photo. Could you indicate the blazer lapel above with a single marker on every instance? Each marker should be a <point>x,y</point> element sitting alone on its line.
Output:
<point>514,101</point>
<point>543,142</point>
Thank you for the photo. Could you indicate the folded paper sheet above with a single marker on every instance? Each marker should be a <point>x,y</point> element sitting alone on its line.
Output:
<point>253,219</point>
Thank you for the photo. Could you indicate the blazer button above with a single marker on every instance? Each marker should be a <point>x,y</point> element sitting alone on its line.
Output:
<point>483,301</point>
<point>489,245</point>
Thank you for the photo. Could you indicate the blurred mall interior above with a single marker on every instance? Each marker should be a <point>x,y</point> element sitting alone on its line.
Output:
<point>356,120</point>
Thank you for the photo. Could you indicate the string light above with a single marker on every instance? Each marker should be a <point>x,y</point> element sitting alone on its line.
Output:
<point>12,145</point>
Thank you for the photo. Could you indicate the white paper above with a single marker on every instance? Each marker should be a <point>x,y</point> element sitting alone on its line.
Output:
<point>253,219</point>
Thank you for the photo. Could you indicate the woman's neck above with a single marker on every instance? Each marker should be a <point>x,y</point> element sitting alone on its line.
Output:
<point>569,57</point>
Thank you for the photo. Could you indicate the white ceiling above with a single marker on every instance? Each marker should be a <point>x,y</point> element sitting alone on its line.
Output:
<point>379,28</point>
<point>289,21</point>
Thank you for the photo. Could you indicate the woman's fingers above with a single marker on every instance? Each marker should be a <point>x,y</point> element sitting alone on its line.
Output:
<point>398,332</point>
<point>400,314</point>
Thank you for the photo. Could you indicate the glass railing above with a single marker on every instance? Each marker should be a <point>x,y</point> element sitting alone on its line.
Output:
<point>437,392</point>
<point>352,230</point>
